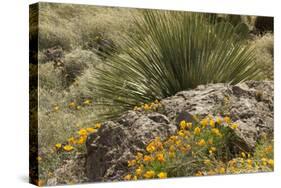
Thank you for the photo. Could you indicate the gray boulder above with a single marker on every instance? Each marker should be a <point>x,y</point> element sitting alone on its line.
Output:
<point>249,104</point>
<point>109,150</point>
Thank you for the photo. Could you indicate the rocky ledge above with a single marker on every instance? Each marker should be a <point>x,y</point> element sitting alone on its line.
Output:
<point>249,104</point>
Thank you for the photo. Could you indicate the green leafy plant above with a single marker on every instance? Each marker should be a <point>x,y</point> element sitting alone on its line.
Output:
<point>201,148</point>
<point>172,52</point>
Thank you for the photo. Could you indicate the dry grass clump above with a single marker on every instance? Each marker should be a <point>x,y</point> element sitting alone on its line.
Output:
<point>74,65</point>
<point>264,53</point>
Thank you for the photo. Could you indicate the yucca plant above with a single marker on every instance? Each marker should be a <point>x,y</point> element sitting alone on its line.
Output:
<point>173,51</point>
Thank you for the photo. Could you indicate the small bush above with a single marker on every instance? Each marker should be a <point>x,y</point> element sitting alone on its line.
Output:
<point>73,65</point>
<point>76,62</point>
<point>264,54</point>
<point>203,148</point>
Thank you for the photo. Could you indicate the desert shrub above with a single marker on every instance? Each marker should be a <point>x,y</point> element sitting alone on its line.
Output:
<point>264,45</point>
<point>50,78</point>
<point>76,62</point>
<point>200,148</point>
<point>178,52</point>
<point>61,35</point>
<point>72,66</point>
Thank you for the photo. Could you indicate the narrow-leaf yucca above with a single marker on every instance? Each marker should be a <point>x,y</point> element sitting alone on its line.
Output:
<point>172,51</point>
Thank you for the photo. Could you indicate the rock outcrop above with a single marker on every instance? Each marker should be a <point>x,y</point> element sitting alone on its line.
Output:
<point>109,150</point>
<point>250,104</point>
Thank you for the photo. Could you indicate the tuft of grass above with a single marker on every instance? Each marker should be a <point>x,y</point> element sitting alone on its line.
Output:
<point>172,52</point>
<point>264,54</point>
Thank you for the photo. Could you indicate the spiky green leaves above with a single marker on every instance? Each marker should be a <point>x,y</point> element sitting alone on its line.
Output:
<point>173,51</point>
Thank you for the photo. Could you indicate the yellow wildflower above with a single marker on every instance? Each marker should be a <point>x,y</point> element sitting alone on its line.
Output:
<point>204,122</point>
<point>178,142</point>
<point>227,120</point>
<point>183,125</point>
<point>146,107</point>
<point>234,126</point>
<point>250,162</point>
<point>162,175</point>
<point>173,138</point>
<point>147,158</point>
<point>264,161</point>
<point>68,148</point>
<point>201,142</point>
<point>71,140</point>
<point>219,120</point>
<point>199,173</point>
<point>97,126</point>
<point>82,140</point>
<point>150,148</point>
<point>216,131</point>
<point>58,146</point>
<point>91,130</point>
<point>87,102</point>
<point>243,155</point>
<point>138,171</point>
<point>268,149</point>
<point>72,105</point>
<point>212,123</point>
<point>132,163</point>
<point>149,174</point>
<point>181,133</point>
<point>128,177</point>
<point>82,132</point>
<point>213,149</point>
<point>160,157</point>
<point>271,162</point>
<point>197,131</point>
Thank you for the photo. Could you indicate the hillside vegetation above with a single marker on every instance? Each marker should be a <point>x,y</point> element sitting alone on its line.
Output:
<point>95,63</point>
